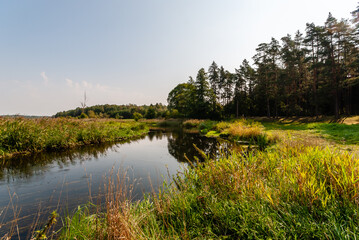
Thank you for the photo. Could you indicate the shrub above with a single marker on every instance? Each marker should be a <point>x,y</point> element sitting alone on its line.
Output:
<point>137,116</point>
<point>83,115</point>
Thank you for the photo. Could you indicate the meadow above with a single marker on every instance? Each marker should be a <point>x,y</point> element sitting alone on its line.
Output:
<point>20,135</point>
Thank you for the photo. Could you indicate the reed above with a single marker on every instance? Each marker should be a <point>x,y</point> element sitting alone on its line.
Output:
<point>192,123</point>
<point>20,135</point>
<point>287,192</point>
<point>239,130</point>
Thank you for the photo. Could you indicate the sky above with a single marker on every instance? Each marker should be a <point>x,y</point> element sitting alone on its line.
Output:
<point>132,51</point>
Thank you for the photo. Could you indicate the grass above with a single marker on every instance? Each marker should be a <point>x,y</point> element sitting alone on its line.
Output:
<point>296,189</point>
<point>192,123</point>
<point>287,192</point>
<point>341,133</point>
<point>239,130</point>
<point>19,135</point>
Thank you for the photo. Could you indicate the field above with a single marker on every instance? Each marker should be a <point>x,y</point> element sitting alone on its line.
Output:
<point>306,186</point>
<point>20,135</point>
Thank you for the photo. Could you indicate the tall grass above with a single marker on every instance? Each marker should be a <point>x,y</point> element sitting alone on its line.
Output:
<point>239,130</point>
<point>292,192</point>
<point>31,135</point>
<point>192,123</point>
<point>117,218</point>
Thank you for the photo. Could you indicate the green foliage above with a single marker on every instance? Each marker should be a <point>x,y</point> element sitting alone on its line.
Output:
<point>194,99</point>
<point>137,116</point>
<point>206,126</point>
<point>91,114</point>
<point>180,100</point>
<point>310,74</point>
<point>83,224</point>
<point>83,115</point>
<point>31,135</point>
<point>116,111</point>
<point>286,193</point>
<point>150,113</point>
<point>239,130</point>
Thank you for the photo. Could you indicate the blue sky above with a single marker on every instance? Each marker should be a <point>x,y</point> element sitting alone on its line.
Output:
<point>132,51</point>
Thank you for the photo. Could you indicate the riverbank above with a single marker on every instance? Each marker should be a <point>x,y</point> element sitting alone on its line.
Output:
<point>240,130</point>
<point>305,186</point>
<point>22,136</point>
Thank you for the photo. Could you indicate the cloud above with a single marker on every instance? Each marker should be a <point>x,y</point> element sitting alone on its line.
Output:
<point>43,75</point>
<point>87,84</point>
<point>69,82</point>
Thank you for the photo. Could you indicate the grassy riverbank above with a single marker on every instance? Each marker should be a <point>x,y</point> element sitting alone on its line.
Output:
<point>297,189</point>
<point>20,135</point>
<point>241,130</point>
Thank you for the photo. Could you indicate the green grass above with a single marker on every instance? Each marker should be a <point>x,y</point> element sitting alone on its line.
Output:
<point>19,135</point>
<point>285,193</point>
<point>341,133</point>
<point>289,191</point>
<point>238,130</point>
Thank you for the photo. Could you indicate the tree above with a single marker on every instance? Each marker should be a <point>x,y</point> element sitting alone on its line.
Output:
<point>312,40</point>
<point>268,72</point>
<point>181,98</point>
<point>150,113</point>
<point>84,102</point>
<point>202,95</point>
<point>247,81</point>
<point>137,116</point>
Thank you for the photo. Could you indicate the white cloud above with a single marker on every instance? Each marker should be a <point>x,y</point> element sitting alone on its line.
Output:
<point>102,88</point>
<point>44,77</point>
<point>69,82</point>
<point>87,84</point>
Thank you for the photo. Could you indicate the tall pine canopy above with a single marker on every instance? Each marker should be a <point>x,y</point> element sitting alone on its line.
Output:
<point>307,74</point>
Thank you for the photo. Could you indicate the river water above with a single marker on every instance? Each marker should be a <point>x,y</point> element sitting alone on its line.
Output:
<point>32,187</point>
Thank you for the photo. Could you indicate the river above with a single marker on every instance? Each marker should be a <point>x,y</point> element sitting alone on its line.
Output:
<point>31,187</point>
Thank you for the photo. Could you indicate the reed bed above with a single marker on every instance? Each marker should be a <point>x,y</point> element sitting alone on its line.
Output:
<point>240,130</point>
<point>20,135</point>
<point>287,192</point>
<point>192,123</point>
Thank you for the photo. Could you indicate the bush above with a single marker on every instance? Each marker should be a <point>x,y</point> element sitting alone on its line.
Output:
<point>206,126</point>
<point>83,115</point>
<point>137,116</point>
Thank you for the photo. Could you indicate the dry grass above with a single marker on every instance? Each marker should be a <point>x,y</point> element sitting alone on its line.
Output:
<point>192,123</point>
<point>243,131</point>
<point>120,221</point>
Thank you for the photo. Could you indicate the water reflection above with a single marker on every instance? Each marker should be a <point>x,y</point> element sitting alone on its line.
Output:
<point>61,179</point>
<point>27,166</point>
<point>180,144</point>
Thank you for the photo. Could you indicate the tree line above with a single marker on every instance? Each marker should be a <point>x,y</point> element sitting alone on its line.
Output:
<point>310,74</point>
<point>129,111</point>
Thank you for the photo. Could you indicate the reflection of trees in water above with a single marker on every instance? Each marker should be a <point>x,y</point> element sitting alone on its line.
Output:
<point>159,134</point>
<point>39,163</point>
<point>181,143</point>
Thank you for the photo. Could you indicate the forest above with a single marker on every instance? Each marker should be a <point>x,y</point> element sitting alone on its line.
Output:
<point>310,74</point>
<point>129,111</point>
